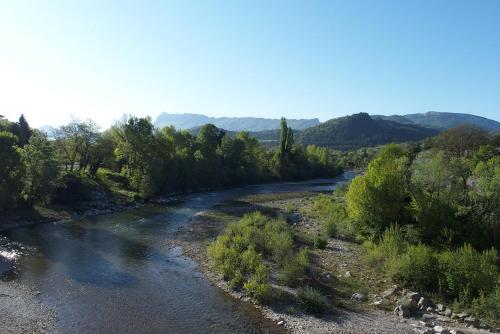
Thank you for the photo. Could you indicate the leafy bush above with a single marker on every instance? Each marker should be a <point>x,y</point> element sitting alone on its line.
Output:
<point>225,257</point>
<point>330,227</point>
<point>116,183</point>
<point>488,306</point>
<point>312,300</point>
<point>279,240</point>
<point>258,287</point>
<point>241,252</point>
<point>331,210</point>
<point>468,272</point>
<point>378,198</point>
<point>75,187</point>
<point>417,268</point>
<point>294,269</point>
<point>320,242</point>
<point>237,280</point>
<point>390,246</point>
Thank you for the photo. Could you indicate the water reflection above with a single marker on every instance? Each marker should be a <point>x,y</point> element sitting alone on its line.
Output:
<point>115,274</point>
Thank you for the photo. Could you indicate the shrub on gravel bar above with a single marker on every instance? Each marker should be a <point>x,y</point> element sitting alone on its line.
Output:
<point>312,300</point>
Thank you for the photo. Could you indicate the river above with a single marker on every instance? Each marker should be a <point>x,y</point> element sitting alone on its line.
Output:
<point>115,273</point>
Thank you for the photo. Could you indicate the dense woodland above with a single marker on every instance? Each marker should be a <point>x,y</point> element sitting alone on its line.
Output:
<point>139,160</point>
<point>362,130</point>
<point>429,216</point>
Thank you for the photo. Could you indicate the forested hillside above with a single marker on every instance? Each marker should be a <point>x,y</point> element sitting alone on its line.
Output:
<point>361,130</point>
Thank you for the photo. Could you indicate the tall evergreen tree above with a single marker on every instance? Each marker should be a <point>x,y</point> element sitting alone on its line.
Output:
<point>23,131</point>
<point>283,155</point>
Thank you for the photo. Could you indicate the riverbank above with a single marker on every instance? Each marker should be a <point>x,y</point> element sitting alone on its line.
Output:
<point>21,310</point>
<point>106,201</point>
<point>20,306</point>
<point>339,257</point>
<point>66,271</point>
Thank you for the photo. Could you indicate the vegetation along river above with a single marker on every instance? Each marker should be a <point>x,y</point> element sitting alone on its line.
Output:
<point>115,273</point>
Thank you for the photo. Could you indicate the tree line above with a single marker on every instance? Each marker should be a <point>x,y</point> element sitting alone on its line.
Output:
<point>36,166</point>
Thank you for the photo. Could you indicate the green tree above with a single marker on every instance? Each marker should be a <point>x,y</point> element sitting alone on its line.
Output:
<point>5,125</point>
<point>462,140</point>
<point>41,169</point>
<point>145,155</point>
<point>485,201</point>
<point>24,132</point>
<point>286,138</point>
<point>436,189</point>
<point>208,141</point>
<point>74,142</point>
<point>134,140</point>
<point>255,158</point>
<point>379,198</point>
<point>89,134</point>
<point>11,171</point>
<point>321,161</point>
<point>282,159</point>
<point>102,153</point>
<point>183,162</point>
<point>231,153</point>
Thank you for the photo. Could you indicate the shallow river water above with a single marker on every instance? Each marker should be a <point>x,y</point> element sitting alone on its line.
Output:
<point>115,273</point>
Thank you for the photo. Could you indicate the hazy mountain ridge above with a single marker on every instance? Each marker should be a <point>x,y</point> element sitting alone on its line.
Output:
<point>344,133</point>
<point>448,120</point>
<point>189,121</point>
<point>348,132</point>
<point>431,119</point>
<point>443,120</point>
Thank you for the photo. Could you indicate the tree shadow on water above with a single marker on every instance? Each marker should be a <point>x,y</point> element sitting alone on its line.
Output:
<point>87,255</point>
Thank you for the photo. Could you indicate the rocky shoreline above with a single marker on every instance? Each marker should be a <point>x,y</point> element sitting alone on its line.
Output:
<point>435,318</point>
<point>194,238</point>
<point>412,313</point>
<point>21,310</point>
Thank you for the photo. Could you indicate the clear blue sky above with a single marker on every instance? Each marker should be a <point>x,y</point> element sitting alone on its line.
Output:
<point>300,59</point>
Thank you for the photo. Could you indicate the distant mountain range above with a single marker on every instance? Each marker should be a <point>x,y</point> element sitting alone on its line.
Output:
<point>343,133</point>
<point>346,133</point>
<point>361,130</point>
<point>443,120</point>
<point>188,121</point>
<point>431,119</point>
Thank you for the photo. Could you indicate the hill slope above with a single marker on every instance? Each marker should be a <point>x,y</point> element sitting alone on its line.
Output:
<point>188,121</point>
<point>270,136</point>
<point>443,120</point>
<point>447,120</point>
<point>395,118</point>
<point>361,130</point>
